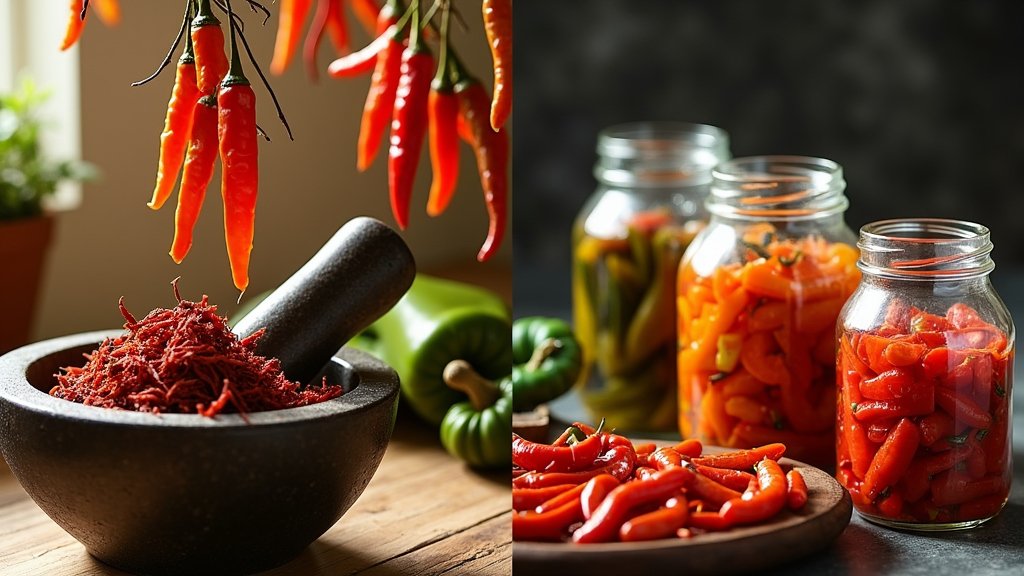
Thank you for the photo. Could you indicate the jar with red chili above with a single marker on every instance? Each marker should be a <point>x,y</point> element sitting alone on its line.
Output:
<point>759,292</point>
<point>627,242</point>
<point>924,378</point>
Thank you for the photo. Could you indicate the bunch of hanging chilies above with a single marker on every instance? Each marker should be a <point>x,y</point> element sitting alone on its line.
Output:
<point>212,109</point>
<point>416,100</point>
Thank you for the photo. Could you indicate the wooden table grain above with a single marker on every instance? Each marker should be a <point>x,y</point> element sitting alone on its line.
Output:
<point>423,512</point>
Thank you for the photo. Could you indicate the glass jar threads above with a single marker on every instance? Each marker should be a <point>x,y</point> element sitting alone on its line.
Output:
<point>627,242</point>
<point>759,292</point>
<point>924,378</point>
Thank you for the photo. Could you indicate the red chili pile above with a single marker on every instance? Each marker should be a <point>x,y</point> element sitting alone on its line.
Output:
<point>592,486</point>
<point>184,360</point>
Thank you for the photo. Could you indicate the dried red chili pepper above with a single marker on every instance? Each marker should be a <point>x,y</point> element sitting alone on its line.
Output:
<point>491,150</point>
<point>198,171</point>
<point>329,18</point>
<point>380,100</point>
<point>239,156</point>
<point>443,113</point>
<point>177,127</point>
<point>497,16</point>
<point>292,18</point>
<point>208,45</point>
<point>408,122</point>
<point>183,360</point>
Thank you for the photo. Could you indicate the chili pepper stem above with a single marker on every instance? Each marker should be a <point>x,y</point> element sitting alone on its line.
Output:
<point>460,375</point>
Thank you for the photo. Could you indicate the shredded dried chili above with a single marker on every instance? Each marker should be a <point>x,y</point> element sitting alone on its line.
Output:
<point>184,360</point>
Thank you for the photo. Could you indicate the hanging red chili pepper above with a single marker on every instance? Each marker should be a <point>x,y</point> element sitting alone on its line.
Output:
<point>208,45</point>
<point>498,27</point>
<point>198,171</point>
<point>177,127</point>
<point>330,18</point>
<point>365,59</point>
<point>443,115</point>
<point>409,122</point>
<point>491,150</point>
<point>75,25</point>
<point>239,157</point>
<point>380,101</point>
<point>367,12</point>
<point>109,11</point>
<point>289,28</point>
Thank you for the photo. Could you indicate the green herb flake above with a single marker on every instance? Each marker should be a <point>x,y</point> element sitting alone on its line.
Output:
<point>981,434</point>
<point>789,261</point>
<point>959,440</point>
<point>1000,391</point>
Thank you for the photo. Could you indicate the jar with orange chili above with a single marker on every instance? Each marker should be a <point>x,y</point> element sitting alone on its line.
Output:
<point>759,291</point>
<point>627,241</point>
<point>924,378</point>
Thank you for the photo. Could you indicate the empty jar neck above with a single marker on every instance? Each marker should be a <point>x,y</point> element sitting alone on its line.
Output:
<point>925,249</point>
<point>778,188</point>
<point>659,155</point>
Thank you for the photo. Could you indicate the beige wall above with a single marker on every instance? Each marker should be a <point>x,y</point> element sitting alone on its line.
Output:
<point>113,245</point>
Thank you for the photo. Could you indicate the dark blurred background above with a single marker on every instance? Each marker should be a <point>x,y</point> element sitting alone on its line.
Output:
<point>920,101</point>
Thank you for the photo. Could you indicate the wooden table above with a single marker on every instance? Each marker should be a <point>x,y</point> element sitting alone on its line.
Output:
<point>424,512</point>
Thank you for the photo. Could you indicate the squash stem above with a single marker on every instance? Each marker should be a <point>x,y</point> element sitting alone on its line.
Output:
<point>542,353</point>
<point>461,376</point>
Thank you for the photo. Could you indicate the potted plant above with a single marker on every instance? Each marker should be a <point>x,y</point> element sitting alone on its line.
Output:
<point>27,180</point>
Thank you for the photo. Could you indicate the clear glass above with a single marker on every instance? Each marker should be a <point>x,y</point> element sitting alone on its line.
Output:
<point>758,294</point>
<point>627,241</point>
<point>925,378</point>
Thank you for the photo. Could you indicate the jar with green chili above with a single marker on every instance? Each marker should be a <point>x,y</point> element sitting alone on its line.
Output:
<point>627,242</point>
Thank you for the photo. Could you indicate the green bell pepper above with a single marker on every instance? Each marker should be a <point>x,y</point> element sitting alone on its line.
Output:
<point>546,361</point>
<point>478,430</point>
<point>438,321</point>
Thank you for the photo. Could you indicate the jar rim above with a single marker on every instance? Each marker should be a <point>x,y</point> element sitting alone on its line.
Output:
<point>633,139</point>
<point>925,249</point>
<point>778,187</point>
<point>667,155</point>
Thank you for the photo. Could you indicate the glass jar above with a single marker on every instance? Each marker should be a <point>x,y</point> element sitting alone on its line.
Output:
<point>627,242</point>
<point>925,373</point>
<point>759,292</point>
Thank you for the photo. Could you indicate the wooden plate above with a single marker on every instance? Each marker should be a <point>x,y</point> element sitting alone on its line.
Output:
<point>750,548</point>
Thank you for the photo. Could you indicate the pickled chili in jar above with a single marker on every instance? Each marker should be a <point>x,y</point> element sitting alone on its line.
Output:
<point>924,378</point>
<point>627,242</point>
<point>759,291</point>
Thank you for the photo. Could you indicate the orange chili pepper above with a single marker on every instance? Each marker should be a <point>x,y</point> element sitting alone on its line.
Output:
<point>239,156</point>
<point>492,152</point>
<point>75,25</point>
<point>497,15</point>
<point>196,175</point>
<point>177,127</point>
<point>763,504</point>
<point>329,18</point>
<point>796,490</point>
<point>292,18</point>
<point>208,45</point>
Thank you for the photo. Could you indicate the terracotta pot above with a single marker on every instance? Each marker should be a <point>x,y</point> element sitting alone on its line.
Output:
<point>23,247</point>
